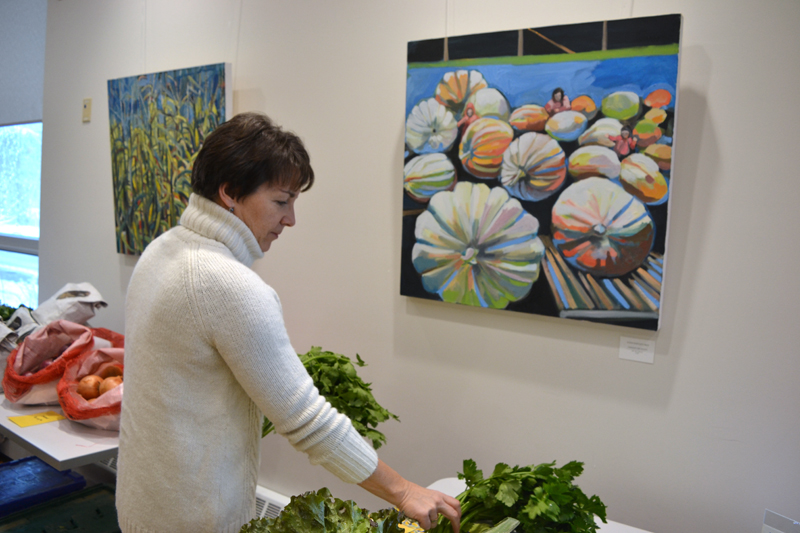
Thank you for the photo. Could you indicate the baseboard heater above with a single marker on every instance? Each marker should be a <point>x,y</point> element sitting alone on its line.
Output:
<point>268,502</point>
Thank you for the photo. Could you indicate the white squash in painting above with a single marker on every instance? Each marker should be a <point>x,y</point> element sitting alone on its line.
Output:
<point>600,132</point>
<point>425,175</point>
<point>593,160</point>
<point>533,167</point>
<point>566,126</point>
<point>600,228</point>
<point>430,127</point>
<point>490,103</point>
<point>477,246</point>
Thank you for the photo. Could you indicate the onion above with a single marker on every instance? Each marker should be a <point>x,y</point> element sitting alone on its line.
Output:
<point>89,386</point>
<point>110,371</point>
<point>110,383</point>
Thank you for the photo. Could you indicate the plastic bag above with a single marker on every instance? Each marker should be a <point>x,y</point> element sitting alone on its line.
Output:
<point>8,341</point>
<point>35,366</point>
<point>102,412</point>
<point>75,302</point>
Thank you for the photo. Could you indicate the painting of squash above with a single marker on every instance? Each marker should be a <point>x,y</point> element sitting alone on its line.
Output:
<point>542,141</point>
<point>477,246</point>
<point>534,167</point>
<point>482,147</point>
<point>601,229</point>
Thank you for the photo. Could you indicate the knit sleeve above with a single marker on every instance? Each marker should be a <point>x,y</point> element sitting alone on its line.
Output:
<point>243,317</point>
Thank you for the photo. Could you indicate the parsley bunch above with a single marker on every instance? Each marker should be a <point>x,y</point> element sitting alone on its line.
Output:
<point>336,378</point>
<point>542,497</point>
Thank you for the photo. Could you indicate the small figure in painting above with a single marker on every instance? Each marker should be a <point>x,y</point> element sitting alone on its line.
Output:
<point>469,116</point>
<point>624,143</point>
<point>558,103</point>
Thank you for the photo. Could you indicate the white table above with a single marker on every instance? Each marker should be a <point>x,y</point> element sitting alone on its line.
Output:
<point>453,486</point>
<point>62,444</point>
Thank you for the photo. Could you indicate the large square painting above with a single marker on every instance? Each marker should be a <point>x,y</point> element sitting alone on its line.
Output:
<point>538,169</point>
<point>158,123</point>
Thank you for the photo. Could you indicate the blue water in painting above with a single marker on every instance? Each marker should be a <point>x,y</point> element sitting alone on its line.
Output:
<point>534,84</point>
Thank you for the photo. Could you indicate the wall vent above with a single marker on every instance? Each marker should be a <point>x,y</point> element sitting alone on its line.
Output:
<point>269,503</point>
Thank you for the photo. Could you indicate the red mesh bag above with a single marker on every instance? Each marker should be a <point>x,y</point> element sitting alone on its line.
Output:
<point>101,412</point>
<point>35,366</point>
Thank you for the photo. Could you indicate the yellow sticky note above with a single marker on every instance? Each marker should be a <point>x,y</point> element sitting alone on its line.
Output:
<point>38,418</point>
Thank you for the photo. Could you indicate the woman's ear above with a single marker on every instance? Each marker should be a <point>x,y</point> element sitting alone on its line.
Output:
<point>225,200</point>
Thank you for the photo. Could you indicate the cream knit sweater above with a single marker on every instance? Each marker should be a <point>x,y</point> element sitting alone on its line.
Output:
<point>206,352</point>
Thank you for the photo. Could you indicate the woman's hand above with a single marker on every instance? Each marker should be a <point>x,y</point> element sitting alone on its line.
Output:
<point>421,504</point>
<point>425,506</point>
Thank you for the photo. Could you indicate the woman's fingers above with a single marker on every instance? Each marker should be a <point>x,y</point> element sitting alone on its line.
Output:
<point>452,511</point>
<point>446,506</point>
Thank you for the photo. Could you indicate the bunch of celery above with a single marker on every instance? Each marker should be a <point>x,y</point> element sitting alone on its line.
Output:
<point>542,497</point>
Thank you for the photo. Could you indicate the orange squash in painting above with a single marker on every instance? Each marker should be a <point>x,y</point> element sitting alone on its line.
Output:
<point>658,98</point>
<point>584,104</point>
<point>482,147</point>
<point>530,117</point>
<point>600,228</point>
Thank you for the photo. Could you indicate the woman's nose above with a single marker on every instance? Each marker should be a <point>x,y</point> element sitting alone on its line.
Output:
<point>289,219</point>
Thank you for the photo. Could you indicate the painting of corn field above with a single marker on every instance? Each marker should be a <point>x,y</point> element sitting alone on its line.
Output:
<point>538,169</point>
<point>158,123</point>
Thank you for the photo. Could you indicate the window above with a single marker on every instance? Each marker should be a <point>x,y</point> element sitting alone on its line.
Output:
<point>20,190</point>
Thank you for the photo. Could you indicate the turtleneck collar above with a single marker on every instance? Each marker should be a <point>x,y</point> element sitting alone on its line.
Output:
<point>210,220</point>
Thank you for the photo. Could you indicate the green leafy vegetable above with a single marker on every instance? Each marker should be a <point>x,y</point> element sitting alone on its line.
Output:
<point>336,378</point>
<point>542,497</point>
<point>6,311</point>
<point>319,512</point>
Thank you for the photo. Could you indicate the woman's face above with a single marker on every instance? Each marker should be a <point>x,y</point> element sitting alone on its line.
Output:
<point>267,211</point>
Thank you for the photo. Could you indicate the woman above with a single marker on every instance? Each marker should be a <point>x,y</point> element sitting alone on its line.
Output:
<point>624,144</point>
<point>558,102</point>
<point>207,353</point>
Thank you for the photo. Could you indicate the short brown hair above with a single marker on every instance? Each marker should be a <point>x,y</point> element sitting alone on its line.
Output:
<point>248,151</point>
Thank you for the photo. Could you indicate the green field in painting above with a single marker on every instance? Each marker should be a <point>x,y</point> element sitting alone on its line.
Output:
<point>157,124</point>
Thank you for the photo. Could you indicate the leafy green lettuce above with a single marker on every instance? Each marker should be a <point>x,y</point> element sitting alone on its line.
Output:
<point>320,512</point>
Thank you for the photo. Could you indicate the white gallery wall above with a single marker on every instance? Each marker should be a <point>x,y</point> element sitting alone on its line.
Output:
<point>704,439</point>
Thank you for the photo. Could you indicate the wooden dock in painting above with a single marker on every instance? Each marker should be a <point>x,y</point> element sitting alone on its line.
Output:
<point>635,296</point>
